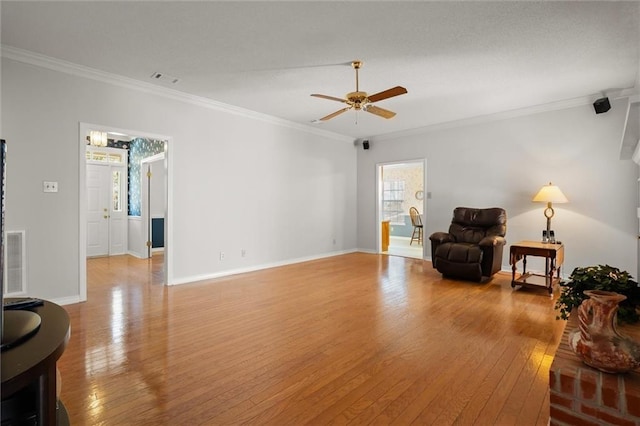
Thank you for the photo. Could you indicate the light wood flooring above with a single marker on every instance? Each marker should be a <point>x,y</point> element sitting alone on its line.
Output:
<point>352,339</point>
<point>401,246</point>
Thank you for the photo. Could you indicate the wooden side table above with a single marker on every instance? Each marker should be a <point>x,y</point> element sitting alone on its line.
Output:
<point>554,257</point>
<point>31,365</point>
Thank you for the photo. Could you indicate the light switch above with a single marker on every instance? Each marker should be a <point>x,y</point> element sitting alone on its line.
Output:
<point>49,186</point>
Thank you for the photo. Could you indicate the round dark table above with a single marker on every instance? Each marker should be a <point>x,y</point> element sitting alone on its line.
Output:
<point>33,362</point>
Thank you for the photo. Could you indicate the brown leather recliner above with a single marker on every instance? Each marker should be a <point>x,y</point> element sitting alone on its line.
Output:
<point>472,248</point>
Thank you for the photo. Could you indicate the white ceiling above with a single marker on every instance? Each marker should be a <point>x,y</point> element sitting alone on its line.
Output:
<point>457,59</point>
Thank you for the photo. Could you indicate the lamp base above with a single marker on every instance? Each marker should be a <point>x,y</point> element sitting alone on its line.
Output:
<point>548,229</point>
<point>548,213</point>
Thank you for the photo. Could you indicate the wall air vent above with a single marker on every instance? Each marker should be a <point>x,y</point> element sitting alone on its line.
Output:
<point>165,78</point>
<point>16,264</point>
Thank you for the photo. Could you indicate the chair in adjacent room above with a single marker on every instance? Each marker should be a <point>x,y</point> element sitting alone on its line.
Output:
<point>472,249</point>
<point>416,221</point>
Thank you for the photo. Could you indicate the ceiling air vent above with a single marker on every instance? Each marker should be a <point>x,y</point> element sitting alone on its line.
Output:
<point>165,78</point>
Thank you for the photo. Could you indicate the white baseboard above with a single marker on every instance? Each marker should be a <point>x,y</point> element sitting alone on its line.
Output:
<point>135,254</point>
<point>67,300</point>
<point>368,251</point>
<point>229,272</point>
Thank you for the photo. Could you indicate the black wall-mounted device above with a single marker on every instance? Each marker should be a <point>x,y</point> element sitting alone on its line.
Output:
<point>602,105</point>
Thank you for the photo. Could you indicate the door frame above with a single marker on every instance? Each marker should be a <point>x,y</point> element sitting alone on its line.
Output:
<point>83,132</point>
<point>379,187</point>
<point>145,209</point>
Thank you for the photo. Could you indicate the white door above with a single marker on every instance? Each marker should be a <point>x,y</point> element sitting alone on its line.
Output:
<point>97,210</point>
<point>106,210</point>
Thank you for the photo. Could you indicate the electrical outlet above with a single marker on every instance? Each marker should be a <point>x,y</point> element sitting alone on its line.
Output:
<point>49,186</point>
<point>221,255</point>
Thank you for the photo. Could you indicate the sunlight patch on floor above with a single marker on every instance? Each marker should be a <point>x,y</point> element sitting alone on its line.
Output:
<point>400,246</point>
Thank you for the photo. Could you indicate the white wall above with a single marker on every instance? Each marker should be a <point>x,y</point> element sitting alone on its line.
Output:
<point>279,192</point>
<point>136,239</point>
<point>504,163</point>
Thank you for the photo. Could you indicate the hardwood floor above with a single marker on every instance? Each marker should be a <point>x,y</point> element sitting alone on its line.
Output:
<point>358,339</point>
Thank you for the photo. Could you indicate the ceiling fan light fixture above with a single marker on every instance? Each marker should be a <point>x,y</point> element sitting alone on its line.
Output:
<point>359,100</point>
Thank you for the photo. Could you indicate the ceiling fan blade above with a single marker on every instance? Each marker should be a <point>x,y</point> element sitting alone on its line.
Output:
<point>385,113</point>
<point>331,98</point>
<point>333,114</point>
<point>389,93</point>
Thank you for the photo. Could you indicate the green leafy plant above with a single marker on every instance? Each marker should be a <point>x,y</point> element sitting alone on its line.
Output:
<point>601,277</point>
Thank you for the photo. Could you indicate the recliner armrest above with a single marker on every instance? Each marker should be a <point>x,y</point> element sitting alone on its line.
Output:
<point>493,240</point>
<point>442,237</point>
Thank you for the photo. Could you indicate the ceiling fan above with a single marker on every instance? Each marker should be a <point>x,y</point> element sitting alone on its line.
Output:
<point>361,101</point>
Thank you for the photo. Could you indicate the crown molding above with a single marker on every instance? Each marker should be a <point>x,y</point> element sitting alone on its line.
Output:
<point>631,93</point>
<point>43,61</point>
<point>481,119</point>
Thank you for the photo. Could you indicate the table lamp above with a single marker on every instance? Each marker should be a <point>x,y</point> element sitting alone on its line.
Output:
<point>550,194</point>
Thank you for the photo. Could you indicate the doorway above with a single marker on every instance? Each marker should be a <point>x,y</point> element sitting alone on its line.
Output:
<point>401,186</point>
<point>152,203</point>
<point>86,179</point>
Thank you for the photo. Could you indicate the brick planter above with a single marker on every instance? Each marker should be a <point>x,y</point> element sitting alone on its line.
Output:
<point>581,395</point>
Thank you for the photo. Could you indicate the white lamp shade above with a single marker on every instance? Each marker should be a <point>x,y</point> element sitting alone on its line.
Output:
<point>550,193</point>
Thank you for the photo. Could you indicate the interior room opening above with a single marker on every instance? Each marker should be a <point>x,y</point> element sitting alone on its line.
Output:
<point>123,205</point>
<point>401,192</point>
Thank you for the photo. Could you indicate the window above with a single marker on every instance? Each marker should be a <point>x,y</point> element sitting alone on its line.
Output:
<point>104,157</point>
<point>392,199</point>
<point>116,185</point>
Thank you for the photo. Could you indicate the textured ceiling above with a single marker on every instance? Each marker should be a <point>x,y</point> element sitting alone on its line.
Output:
<point>456,59</point>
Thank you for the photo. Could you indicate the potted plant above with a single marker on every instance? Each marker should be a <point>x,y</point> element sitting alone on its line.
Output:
<point>601,277</point>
